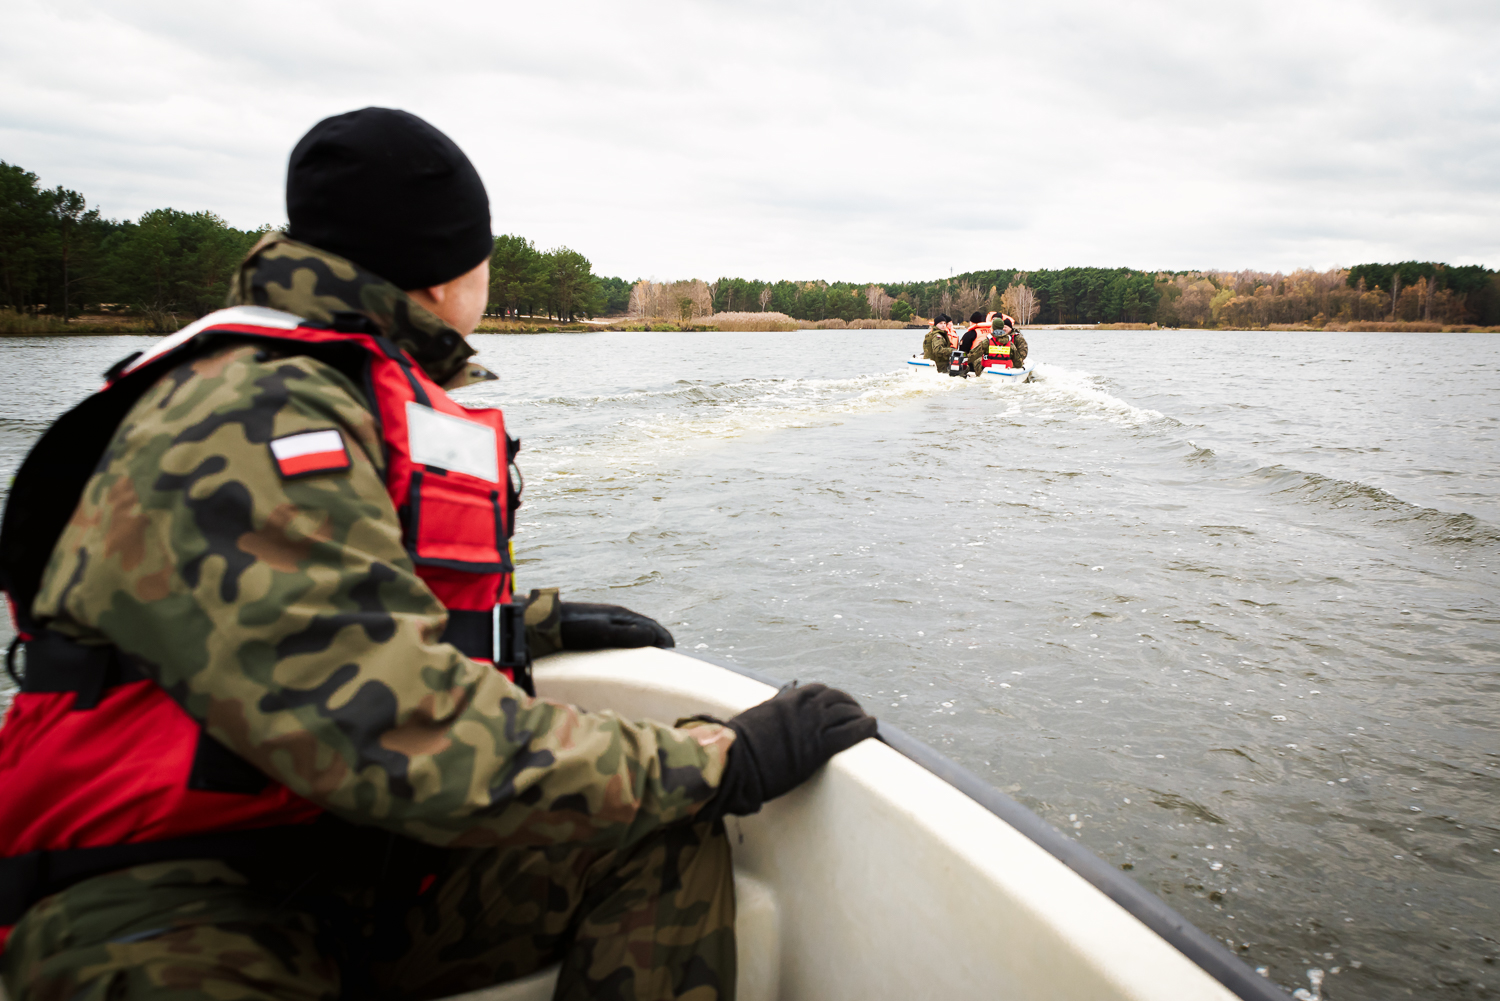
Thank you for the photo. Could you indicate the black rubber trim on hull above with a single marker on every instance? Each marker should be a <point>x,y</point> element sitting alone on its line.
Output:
<point>1210,955</point>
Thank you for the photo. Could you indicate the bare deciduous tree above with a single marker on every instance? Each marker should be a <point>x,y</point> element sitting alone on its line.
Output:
<point>1020,302</point>
<point>682,301</point>
<point>645,298</point>
<point>969,299</point>
<point>945,300</point>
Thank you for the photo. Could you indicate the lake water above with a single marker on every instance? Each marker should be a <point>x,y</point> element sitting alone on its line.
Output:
<point>1221,605</point>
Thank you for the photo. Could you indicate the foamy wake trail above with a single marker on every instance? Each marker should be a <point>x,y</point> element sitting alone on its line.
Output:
<point>779,403</point>
<point>648,425</point>
<point>1079,391</point>
<point>770,392</point>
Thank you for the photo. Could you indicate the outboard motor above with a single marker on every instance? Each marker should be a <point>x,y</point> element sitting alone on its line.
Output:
<point>956,364</point>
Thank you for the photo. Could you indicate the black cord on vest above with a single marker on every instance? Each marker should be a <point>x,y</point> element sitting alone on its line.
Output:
<point>10,661</point>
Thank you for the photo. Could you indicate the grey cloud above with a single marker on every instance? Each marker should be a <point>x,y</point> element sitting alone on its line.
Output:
<point>791,139</point>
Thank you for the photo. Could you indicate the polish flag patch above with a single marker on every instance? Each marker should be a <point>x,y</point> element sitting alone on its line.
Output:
<point>309,452</point>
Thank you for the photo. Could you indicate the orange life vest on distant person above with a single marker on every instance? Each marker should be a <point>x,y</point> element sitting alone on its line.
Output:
<point>100,768</point>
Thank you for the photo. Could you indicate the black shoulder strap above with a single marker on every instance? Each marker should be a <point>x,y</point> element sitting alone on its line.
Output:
<point>48,486</point>
<point>51,480</point>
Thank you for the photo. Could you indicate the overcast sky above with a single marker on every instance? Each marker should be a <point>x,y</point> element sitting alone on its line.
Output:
<point>882,140</point>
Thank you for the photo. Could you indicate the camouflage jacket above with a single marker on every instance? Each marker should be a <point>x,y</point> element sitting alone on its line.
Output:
<point>936,347</point>
<point>188,552</point>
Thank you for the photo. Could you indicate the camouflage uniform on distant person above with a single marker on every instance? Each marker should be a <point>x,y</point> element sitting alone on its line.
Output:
<point>469,833</point>
<point>974,360</point>
<point>937,347</point>
<point>1017,346</point>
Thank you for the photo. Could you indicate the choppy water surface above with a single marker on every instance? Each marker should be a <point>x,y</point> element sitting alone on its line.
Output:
<point>1221,605</point>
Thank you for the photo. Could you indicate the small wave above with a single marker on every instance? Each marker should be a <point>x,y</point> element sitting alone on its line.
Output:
<point>1440,527</point>
<point>1462,529</point>
<point>32,426</point>
<point>1327,490</point>
<point>1172,801</point>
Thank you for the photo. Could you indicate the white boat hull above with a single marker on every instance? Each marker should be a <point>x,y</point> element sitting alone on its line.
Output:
<point>881,879</point>
<point>1008,374</point>
<point>895,874</point>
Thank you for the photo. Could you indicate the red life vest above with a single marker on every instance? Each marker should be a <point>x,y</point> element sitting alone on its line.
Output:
<point>100,768</point>
<point>998,354</point>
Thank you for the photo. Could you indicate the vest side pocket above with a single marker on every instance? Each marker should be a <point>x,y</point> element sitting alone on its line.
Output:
<point>458,522</point>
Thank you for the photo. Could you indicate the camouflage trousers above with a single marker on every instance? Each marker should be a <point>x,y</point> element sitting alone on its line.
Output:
<point>652,921</point>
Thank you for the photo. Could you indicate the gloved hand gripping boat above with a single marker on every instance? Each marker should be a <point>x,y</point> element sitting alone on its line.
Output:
<point>897,874</point>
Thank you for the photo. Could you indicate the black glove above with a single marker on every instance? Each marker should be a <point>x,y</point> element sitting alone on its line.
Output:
<point>782,741</point>
<point>587,626</point>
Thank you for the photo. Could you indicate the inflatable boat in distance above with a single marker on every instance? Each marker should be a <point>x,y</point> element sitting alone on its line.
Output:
<point>895,873</point>
<point>992,372</point>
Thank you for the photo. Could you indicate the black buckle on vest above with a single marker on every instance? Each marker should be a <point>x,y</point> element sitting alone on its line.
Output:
<point>55,663</point>
<point>10,660</point>
<point>512,651</point>
<point>498,636</point>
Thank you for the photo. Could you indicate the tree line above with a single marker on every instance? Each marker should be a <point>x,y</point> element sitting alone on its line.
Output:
<point>61,258</point>
<point>560,283</point>
<point>1069,295</point>
<point>1409,291</point>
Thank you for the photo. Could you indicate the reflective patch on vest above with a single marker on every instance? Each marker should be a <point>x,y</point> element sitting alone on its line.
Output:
<point>452,443</point>
<point>309,452</point>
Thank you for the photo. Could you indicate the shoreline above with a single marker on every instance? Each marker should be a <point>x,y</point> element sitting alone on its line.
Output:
<point>109,326</point>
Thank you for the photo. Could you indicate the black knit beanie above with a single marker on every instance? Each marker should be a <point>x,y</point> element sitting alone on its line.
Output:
<point>389,192</point>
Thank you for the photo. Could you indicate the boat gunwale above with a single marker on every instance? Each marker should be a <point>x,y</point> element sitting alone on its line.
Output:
<point>1207,953</point>
<point>1013,374</point>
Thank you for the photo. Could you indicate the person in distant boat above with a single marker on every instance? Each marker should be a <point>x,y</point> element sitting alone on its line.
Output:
<point>975,339</point>
<point>978,327</point>
<point>940,342</point>
<point>1000,349</point>
<point>1018,341</point>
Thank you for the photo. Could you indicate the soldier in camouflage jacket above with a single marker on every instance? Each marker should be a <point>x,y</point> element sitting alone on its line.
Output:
<point>540,832</point>
<point>937,346</point>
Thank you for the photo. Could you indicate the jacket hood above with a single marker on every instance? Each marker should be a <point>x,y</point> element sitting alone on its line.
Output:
<point>281,273</point>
